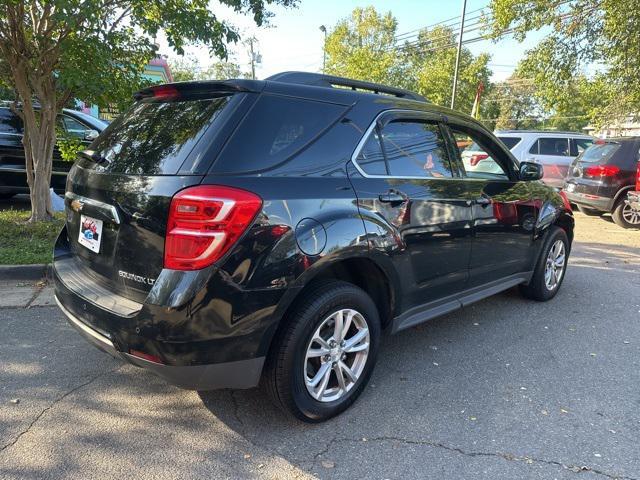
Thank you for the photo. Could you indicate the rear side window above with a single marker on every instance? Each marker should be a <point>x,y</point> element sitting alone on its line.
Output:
<point>579,145</point>
<point>510,142</point>
<point>371,158</point>
<point>415,149</point>
<point>155,138</point>
<point>551,146</point>
<point>10,122</point>
<point>275,129</point>
<point>599,152</point>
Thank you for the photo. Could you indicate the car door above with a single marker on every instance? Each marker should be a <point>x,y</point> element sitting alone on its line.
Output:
<point>409,196</point>
<point>554,154</point>
<point>504,210</point>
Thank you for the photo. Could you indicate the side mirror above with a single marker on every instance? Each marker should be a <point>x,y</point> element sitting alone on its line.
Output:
<point>91,135</point>
<point>530,171</point>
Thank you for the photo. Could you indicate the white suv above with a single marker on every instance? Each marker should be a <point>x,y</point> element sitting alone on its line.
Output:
<point>553,150</point>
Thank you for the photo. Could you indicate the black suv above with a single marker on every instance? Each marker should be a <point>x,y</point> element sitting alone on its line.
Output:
<point>13,176</point>
<point>601,177</point>
<point>221,232</point>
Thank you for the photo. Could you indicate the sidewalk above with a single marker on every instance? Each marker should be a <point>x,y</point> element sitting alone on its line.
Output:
<point>26,294</point>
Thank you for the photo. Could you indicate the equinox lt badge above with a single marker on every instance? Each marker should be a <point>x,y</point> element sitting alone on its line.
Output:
<point>136,278</point>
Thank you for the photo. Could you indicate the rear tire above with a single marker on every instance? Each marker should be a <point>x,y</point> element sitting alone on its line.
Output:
<point>624,216</point>
<point>306,350</point>
<point>550,269</point>
<point>589,211</point>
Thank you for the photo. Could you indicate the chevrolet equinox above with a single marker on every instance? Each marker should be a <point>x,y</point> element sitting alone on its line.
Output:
<point>223,234</point>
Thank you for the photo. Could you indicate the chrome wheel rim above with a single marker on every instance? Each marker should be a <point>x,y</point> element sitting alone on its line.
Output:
<point>336,355</point>
<point>630,215</point>
<point>554,268</point>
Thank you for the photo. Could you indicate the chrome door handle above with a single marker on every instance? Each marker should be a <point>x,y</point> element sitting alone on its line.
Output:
<point>393,197</point>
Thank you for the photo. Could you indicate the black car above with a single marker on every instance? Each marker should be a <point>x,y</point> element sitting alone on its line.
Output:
<point>600,178</point>
<point>13,177</point>
<point>224,232</point>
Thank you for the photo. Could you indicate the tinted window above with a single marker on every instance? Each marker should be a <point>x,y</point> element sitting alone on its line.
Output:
<point>477,156</point>
<point>579,145</point>
<point>275,129</point>
<point>371,159</point>
<point>553,146</point>
<point>9,122</point>
<point>599,152</point>
<point>155,138</point>
<point>415,149</point>
<point>510,142</point>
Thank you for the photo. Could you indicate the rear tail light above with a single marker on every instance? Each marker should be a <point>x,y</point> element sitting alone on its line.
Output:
<point>565,200</point>
<point>638,177</point>
<point>601,171</point>
<point>204,222</point>
<point>146,356</point>
<point>475,159</point>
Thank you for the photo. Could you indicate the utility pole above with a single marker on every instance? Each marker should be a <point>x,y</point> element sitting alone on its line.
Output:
<point>323,29</point>
<point>254,55</point>
<point>455,73</point>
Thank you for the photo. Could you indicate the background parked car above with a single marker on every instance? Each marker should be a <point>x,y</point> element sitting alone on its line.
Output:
<point>601,177</point>
<point>553,150</point>
<point>13,178</point>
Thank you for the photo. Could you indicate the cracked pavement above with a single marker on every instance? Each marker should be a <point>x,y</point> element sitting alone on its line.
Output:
<point>506,388</point>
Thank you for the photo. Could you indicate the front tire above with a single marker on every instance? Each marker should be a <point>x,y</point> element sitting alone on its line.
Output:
<point>624,216</point>
<point>550,269</point>
<point>325,355</point>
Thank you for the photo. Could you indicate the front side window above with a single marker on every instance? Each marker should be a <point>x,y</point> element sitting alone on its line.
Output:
<point>477,156</point>
<point>73,128</point>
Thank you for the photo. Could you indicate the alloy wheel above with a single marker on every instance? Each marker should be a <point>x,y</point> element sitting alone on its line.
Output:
<point>631,215</point>
<point>336,355</point>
<point>554,267</point>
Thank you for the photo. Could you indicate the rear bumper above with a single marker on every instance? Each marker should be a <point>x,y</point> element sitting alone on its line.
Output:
<point>237,374</point>
<point>603,204</point>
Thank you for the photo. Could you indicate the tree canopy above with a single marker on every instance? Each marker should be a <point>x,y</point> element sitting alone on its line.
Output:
<point>95,50</point>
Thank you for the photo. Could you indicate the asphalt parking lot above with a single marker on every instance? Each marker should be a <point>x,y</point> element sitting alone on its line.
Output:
<point>506,388</point>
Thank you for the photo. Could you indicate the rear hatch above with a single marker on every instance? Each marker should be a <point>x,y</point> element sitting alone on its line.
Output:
<point>588,172</point>
<point>119,192</point>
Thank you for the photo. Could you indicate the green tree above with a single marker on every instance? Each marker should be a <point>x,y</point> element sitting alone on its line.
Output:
<point>582,33</point>
<point>512,105</point>
<point>187,69</point>
<point>96,50</point>
<point>362,47</point>
<point>429,63</point>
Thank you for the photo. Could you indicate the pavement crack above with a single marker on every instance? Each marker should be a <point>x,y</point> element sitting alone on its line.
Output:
<point>505,456</point>
<point>51,405</point>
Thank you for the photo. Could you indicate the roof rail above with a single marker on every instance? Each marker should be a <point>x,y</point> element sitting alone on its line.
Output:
<point>321,80</point>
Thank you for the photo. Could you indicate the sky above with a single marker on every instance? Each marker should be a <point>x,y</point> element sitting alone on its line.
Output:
<point>293,40</point>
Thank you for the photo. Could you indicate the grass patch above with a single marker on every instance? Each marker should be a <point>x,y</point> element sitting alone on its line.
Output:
<point>23,243</point>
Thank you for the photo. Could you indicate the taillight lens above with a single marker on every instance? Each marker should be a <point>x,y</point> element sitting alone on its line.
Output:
<point>475,159</point>
<point>601,171</point>
<point>638,177</point>
<point>204,222</point>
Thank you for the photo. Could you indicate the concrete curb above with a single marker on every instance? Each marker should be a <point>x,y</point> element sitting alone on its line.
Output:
<point>25,272</point>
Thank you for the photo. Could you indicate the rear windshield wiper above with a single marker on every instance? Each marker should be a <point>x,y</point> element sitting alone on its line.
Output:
<point>91,155</point>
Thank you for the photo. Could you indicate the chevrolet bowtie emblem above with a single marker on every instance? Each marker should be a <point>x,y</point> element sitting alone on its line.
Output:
<point>77,205</point>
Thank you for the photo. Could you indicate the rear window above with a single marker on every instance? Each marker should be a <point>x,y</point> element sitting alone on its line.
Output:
<point>510,142</point>
<point>155,138</point>
<point>274,130</point>
<point>599,152</point>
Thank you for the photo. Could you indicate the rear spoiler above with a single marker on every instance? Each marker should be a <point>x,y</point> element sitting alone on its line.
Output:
<point>199,88</point>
